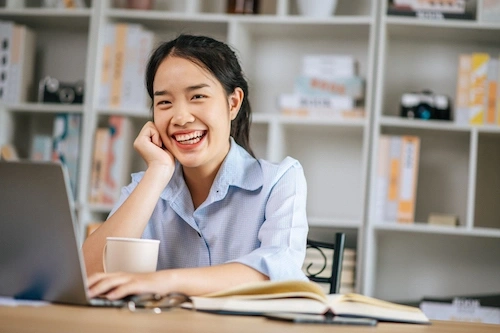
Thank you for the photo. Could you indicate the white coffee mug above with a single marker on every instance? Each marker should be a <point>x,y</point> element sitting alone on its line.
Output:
<point>132,255</point>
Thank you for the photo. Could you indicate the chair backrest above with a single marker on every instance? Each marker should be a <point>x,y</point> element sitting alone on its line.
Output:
<point>315,265</point>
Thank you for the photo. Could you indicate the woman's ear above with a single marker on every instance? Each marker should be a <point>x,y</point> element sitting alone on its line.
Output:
<point>235,100</point>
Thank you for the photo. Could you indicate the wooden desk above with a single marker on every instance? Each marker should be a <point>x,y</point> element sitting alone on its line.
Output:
<point>59,318</point>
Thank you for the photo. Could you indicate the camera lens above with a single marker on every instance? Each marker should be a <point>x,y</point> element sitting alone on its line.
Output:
<point>424,112</point>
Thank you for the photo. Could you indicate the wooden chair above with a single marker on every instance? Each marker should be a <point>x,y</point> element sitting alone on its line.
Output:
<point>313,272</point>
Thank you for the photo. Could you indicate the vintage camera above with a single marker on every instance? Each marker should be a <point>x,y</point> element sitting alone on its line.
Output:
<point>51,90</point>
<point>425,105</point>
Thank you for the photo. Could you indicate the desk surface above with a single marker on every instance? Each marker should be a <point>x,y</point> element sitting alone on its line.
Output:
<point>59,318</point>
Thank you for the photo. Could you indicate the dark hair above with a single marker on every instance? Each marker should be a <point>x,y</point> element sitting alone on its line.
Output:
<point>219,59</point>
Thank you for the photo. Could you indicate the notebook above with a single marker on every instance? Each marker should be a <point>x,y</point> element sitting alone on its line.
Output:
<point>40,258</point>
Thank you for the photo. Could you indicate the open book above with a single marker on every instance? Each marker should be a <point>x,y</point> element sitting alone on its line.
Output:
<point>302,297</point>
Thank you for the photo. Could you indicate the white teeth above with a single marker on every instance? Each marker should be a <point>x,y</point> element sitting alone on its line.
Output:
<point>189,139</point>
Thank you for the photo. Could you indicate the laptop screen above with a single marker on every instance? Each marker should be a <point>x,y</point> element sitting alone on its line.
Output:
<point>39,253</point>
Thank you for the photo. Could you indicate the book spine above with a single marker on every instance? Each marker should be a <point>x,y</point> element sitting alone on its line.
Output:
<point>66,145</point>
<point>99,165</point>
<point>498,95</point>
<point>118,64</point>
<point>329,66</point>
<point>107,66</point>
<point>15,69</point>
<point>410,148</point>
<point>41,149</point>
<point>478,88</point>
<point>147,40</point>
<point>130,68</point>
<point>391,208</point>
<point>5,54</point>
<point>382,184</point>
<point>491,92</point>
<point>463,89</point>
<point>117,166</point>
<point>344,86</point>
<point>27,61</point>
<point>297,101</point>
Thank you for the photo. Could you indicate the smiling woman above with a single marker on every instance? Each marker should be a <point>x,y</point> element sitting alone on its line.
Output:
<point>222,216</point>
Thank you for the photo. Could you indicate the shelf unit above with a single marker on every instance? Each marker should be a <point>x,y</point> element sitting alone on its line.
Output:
<point>457,168</point>
<point>396,55</point>
<point>271,46</point>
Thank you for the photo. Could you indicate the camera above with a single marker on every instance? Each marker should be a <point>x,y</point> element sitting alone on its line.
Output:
<point>425,105</point>
<point>51,90</point>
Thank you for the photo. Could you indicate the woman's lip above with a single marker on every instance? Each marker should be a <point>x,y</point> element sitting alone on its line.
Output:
<point>191,146</point>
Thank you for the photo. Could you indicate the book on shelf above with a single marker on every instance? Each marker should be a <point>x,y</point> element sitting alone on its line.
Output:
<point>477,92</point>
<point>435,10</point>
<point>102,139</point>
<point>492,91</point>
<point>18,61</point>
<point>41,147</point>
<point>126,48</point>
<point>8,153</point>
<point>463,87</point>
<point>410,152</point>
<point>111,160</point>
<point>397,178</point>
<point>478,308</point>
<point>327,87</point>
<point>322,113</point>
<point>351,86</point>
<point>306,297</point>
<point>66,144</point>
<point>329,66</point>
<point>477,89</point>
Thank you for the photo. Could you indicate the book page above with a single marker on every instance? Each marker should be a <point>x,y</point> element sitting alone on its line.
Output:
<point>256,306</point>
<point>269,290</point>
<point>362,306</point>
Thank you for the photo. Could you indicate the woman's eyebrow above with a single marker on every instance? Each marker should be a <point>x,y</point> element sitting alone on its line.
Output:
<point>196,87</point>
<point>190,88</point>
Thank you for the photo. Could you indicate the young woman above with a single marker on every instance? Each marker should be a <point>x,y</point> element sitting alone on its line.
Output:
<point>222,217</point>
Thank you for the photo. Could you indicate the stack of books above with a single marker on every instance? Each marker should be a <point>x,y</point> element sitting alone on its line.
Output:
<point>111,163</point>
<point>397,177</point>
<point>431,9</point>
<point>18,60</point>
<point>478,90</point>
<point>125,54</point>
<point>62,146</point>
<point>328,86</point>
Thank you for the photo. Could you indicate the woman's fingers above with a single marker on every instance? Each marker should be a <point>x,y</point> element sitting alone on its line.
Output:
<point>118,285</point>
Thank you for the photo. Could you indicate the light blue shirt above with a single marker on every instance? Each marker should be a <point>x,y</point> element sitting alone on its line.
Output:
<point>255,214</point>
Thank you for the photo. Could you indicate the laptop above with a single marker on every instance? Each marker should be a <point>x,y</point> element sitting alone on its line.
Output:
<point>40,258</point>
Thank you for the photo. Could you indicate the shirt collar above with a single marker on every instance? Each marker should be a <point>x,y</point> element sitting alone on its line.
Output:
<point>238,169</point>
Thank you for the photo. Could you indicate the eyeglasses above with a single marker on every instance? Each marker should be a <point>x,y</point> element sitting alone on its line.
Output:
<point>155,303</point>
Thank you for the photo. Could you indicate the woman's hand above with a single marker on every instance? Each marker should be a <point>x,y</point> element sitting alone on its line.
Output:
<point>150,146</point>
<point>118,285</point>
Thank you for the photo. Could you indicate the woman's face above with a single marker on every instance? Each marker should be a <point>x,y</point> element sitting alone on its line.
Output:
<point>193,113</point>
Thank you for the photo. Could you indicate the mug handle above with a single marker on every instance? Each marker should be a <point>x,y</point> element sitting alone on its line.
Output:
<point>104,257</point>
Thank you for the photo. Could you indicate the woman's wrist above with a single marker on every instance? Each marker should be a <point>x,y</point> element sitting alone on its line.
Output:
<point>162,172</point>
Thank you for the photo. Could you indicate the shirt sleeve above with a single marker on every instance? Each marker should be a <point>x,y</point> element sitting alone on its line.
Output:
<point>125,192</point>
<point>283,235</point>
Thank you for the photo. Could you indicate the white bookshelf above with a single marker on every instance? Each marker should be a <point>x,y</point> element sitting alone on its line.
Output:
<point>457,168</point>
<point>458,162</point>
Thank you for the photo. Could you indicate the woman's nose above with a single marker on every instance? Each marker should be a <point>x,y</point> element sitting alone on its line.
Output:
<point>181,115</point>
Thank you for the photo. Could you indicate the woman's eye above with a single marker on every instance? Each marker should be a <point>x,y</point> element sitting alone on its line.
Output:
<point>164,102</point>
<point>198,96</point>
